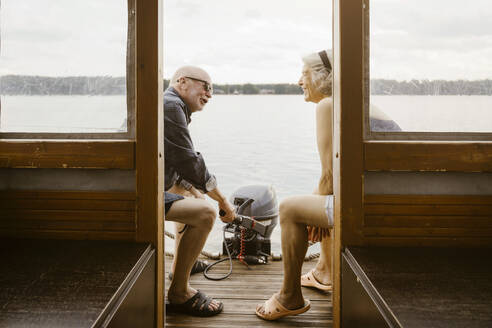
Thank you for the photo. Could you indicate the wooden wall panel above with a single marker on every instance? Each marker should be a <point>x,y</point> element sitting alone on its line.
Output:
<point>68,214</point>
<point>67,154</point>
<point>428,220</point>
<point>428,156</point>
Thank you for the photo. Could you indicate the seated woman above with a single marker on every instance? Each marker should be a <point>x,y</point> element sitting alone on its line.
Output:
<point>308,217</point>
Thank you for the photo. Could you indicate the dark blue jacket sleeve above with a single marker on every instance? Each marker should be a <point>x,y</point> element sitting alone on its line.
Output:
<point>179,150</point>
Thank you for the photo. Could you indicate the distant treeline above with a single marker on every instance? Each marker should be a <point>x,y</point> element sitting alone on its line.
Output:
<point>254,89</point>
<point>106,85</point>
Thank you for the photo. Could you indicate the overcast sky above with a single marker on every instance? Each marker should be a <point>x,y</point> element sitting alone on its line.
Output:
<point>247,41</point>
<point>435,39</point>
<point>63,37</point>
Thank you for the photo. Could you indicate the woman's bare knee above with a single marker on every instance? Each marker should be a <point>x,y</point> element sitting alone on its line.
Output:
<point>304,209</point>
<point>287,211</point>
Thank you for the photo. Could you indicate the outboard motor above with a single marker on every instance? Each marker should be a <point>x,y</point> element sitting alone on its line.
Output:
<point>257,216</point>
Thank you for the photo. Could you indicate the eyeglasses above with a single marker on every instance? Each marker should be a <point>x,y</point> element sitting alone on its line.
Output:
<point>206,86</point>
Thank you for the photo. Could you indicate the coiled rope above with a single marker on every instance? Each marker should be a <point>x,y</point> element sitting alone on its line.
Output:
<point>216,256</point>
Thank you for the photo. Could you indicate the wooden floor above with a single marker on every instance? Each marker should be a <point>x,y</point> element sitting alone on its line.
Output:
<point>61,283</point>
<point>246,288</point>
<point>431,287</point>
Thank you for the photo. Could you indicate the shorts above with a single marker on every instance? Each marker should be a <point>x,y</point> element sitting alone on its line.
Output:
<point>329,209</point>
<point>169,199</point>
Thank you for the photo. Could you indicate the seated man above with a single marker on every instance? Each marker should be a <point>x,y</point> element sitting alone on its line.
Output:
<point>186,178</point>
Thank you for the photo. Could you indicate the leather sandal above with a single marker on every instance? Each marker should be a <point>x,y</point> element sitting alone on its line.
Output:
<point>197,305</point>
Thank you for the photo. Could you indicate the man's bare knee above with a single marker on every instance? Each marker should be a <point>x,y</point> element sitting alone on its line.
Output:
<point>207,217</point>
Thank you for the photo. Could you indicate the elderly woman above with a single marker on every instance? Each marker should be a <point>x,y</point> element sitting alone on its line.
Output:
<point>308,217</point>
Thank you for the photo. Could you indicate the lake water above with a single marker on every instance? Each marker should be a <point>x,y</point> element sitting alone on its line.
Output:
<point>62,113</point>
<point>248,139</point>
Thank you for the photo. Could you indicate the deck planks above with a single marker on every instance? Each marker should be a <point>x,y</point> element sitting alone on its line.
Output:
<point>245,288</point>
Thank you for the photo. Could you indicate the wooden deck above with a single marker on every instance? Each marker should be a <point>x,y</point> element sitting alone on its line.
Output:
<point>246,288</point>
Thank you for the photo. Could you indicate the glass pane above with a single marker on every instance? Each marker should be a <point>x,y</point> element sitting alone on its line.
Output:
<point>63,66</point>
<point>431,65</point>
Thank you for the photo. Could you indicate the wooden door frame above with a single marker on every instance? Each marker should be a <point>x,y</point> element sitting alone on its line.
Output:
<point>144,153</point>
<point>149,150</point>
<point>353,154</point>
<point>348,168</point>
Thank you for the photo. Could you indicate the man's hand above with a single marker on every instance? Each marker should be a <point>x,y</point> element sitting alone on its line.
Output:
<point>224,205</point>
<point>192,192</point>
<point>196,193</point>
<point>230,212</point>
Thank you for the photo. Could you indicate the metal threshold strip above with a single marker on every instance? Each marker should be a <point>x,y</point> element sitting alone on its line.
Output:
<point>119,296</point>
<point>378,300</point>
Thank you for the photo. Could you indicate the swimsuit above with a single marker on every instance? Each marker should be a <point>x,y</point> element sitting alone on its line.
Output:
<point>329,209</point>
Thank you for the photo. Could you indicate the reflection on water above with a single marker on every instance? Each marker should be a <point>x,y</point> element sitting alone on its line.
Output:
<point>438,113</point>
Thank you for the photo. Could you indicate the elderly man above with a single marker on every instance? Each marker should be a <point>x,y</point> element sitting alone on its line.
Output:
<point>186,180</point>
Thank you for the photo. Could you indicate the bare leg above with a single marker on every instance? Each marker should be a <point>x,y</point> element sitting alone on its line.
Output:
<point>293,254</point>
<point>322,271</point>
<point>179,227</point>
<point>295,213</point>
<point>178,233</point>
<point>199,216</point>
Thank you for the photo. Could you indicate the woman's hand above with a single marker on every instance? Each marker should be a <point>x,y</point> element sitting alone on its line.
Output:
<point>316,234</point>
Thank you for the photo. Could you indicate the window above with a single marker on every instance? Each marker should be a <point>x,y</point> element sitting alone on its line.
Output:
<point>63,69</point>
<point>430,69</point>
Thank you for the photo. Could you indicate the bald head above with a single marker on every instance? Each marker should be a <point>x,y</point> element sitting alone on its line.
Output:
<point>193,85</point>
<point>190,71</point>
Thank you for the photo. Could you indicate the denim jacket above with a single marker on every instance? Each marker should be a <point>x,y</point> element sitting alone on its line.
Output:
<point>181,160</point>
